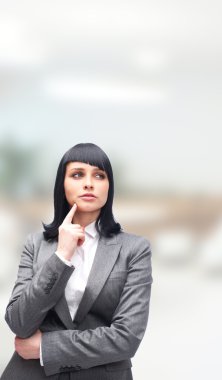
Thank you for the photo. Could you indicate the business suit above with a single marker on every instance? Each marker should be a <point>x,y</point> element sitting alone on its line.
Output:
<point>110,321</point>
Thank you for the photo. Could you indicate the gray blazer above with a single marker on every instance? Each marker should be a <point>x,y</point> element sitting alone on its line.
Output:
<point>110,321</point>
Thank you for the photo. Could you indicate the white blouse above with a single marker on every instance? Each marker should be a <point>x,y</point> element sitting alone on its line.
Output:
<point>82,260</point>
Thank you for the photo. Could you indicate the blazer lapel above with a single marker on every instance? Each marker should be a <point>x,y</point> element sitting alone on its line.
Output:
<point>105,257</point>
<point>62,310</point>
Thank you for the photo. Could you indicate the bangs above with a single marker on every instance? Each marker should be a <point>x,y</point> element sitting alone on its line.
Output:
<point>88,153</point>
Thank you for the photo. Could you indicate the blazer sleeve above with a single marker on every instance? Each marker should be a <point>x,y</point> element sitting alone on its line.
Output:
<point>76,349</point>
<point>34,294</point>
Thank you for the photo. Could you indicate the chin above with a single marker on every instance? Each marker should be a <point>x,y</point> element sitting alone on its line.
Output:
<point>86,208</point>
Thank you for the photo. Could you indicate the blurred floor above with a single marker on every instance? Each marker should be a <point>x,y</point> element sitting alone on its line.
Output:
<point>183,338</point>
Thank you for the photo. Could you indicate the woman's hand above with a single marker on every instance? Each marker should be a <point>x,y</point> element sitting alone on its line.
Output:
<point>70,235</point>
<point>29,348</point>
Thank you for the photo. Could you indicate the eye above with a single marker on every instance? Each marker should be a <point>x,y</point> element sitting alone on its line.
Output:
<point>77,174</point>
<point>81,174</point>
<point>101,175</point>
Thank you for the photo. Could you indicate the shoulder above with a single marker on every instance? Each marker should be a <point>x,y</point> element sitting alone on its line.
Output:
<point>34,238</point>
<point>137,251</point>
<point>133,240</point>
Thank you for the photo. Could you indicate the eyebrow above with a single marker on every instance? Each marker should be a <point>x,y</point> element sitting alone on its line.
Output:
<point>84,169</point>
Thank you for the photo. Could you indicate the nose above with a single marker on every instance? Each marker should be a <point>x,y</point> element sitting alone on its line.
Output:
<point>88,183</point>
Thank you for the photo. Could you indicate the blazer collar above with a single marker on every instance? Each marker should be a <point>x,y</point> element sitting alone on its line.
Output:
<point>90,229</point>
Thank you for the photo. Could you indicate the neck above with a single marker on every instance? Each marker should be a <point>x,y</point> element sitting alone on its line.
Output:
<point>84,218</point>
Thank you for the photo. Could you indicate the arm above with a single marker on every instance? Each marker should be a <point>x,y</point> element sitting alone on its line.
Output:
<point>34,294</point>
<point>119,341</point>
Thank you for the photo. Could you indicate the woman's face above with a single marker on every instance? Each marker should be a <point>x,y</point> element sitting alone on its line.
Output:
<point>81,179</point>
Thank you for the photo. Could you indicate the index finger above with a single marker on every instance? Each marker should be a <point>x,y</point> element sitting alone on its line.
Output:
<point>68,218</point>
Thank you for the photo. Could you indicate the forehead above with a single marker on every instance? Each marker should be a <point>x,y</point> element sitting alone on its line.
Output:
<point>80,165</point>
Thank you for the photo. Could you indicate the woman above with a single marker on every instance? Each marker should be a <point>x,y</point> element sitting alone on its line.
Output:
<point>80,305</point>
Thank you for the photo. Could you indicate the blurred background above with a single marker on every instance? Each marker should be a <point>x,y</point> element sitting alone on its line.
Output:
<point>143,81</point>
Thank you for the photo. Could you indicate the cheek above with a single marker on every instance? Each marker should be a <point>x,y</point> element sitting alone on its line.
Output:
<point>105,191</point>
<point>70,188</point>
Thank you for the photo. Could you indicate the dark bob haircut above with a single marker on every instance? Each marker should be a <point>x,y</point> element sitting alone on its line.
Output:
<point>93,155</point>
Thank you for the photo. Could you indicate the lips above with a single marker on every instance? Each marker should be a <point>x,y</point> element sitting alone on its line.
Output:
<point>88,195</point>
